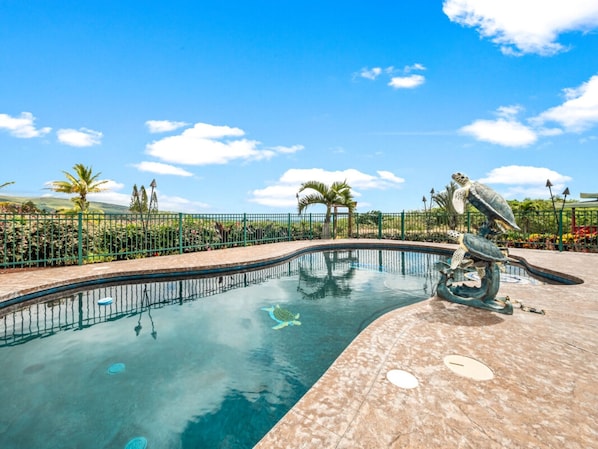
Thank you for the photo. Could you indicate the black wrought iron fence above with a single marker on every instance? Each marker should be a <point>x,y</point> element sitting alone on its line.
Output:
<point>38,240</point>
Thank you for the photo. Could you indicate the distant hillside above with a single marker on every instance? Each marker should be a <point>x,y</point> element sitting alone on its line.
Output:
<point>50,204</point>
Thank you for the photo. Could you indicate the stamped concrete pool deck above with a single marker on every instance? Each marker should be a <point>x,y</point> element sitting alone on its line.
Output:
<point>544,390</point>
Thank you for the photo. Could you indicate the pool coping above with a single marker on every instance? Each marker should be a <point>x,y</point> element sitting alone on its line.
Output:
<point>542,395</point>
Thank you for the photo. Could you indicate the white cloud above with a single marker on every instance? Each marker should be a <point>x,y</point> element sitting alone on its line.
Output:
<point>509,112</point>
<point>588,139</point>
<point>165,202</point>
<point>521,174</point>
<point>161,126</point>
<point>111,185</point>
<point>529,26</point>
<point>111,194</point>
<point>580,110</point>
<point>390,177</point>
<point>526,181</point>
<point>288,150</point>
<point>578,113</point>
<point>507,132</point>
<point>282,193</point>
<point>548,132</point>
<point>412,67</point>
<point>162,169</point>
<point>23,126</point>
<point>180,204</point>
<point>82,137</point>
<point>371,74</point>
<point>122,199</point>
<point>397,82</point>
<point>406,82</point>
<point>205,144</point>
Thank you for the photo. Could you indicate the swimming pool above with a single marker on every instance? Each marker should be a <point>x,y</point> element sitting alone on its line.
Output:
<point>191,363</point>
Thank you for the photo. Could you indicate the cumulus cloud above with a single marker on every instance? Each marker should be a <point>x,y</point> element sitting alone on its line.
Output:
<point>406,82</point>
<point>526,181</point>
<point>530,26</point>
<point>523,174</point>
<point>580,110</point>
<point>578,113</point>
<point>502,131</point>
<point>82,137</point>
<point>162,126</point>
<point>282,192</point>
<point>122,199</point>
<point>23,126</point>
<point>161,169</point>
<point>206,144</point>
<point>110,194</point>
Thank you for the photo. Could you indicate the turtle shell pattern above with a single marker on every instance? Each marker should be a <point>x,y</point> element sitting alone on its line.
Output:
<point>491,204</point>
<point>483,248</point>
<point>284,314</point>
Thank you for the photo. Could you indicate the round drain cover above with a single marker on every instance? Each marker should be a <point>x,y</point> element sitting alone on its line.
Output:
<point>402,378</point>
<point>116,368</point>
<point>468,367</point>
<point>137,443</point>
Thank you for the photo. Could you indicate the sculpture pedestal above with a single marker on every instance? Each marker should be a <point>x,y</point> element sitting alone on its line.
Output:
<point>481,297</point>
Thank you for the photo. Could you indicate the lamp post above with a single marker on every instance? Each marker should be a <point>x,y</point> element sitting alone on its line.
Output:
<point>153,205</point>
<point>565,193</point>
<point>549,185</point>
<point>426,218</point>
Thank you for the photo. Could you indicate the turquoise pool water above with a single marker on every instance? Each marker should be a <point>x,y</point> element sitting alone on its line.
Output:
<point>191,363</point>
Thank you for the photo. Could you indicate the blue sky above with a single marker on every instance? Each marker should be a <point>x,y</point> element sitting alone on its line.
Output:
<point>230,106</point>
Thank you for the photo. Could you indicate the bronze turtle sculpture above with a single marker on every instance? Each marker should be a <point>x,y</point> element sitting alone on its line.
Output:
<point>483,198</point>
<point>486,257</point>
<point>478,247</point>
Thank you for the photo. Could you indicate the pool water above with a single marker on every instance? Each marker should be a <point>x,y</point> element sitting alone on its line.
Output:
<point>191,363</point>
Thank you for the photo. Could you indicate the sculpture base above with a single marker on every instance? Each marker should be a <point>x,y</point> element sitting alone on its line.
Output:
<point>482,297</point>
<point>496,305</point>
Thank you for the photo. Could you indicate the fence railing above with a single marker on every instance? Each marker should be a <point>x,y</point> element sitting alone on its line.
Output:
<point>37,240</point>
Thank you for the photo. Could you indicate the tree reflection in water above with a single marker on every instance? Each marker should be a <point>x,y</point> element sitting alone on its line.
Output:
<point>335,282</point>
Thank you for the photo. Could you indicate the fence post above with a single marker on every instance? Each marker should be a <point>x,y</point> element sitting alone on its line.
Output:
<point>468,221</point>
<point>379,225</point>
<point>244,228</point>
<point>561,230</point>
<point>402,225</point>
<point>289,227</point>
<point>180,233</point>
<point>80,238</point>
<point>311,230</point>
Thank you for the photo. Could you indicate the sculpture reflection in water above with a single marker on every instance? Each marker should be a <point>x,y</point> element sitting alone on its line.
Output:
<point>477,252</point>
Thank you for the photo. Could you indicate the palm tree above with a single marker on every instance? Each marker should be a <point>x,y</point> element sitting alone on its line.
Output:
<point>444,200</point>
<point>337,194</point>
<point>6,184</point>
<point>81,183</point>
